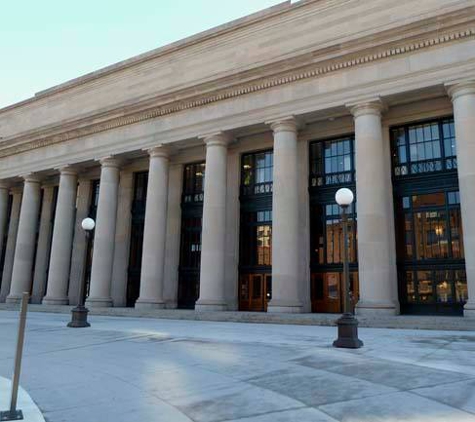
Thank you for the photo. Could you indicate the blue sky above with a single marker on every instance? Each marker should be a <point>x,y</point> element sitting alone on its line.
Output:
<point>46,42</point>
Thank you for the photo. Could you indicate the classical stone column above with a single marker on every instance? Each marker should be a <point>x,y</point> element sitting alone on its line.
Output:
<point>155,229</point>
<point>285,215</point>
<point>26,240</point>
<point>4,198</point>
<point>103,255</point>
<point>463,98</point>
<point>213,237</point>
<point>44,245</point>
<point>60,261</point>
<point>373,195</point>
<point>78,256</point>
<point>120,270</point>
<point>11,243</point>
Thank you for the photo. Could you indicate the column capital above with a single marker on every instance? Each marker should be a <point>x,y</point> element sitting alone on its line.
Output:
<point>67,170</point>
<point>459,89</point>
<point>286,124</point>
<point>109,162</point>
<point>217,139</point>
<point>4,185</point>
<point>159,151</point>
<point>31,178</point>
<point>374,106</point>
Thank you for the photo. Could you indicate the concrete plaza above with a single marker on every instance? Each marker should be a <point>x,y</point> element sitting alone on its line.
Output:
<point>140,370</point>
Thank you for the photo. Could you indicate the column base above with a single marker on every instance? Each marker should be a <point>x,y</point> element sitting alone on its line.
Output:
<point>211,305</point>
<point>13,299</point>
<point>99,302</point>
<point>469,310</point>
<point>376,309</point>
<point>149,304</point>
<point>284,307</point>
<point>55,301</point>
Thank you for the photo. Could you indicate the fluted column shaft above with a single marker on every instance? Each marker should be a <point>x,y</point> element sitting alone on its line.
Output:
<point>26,240</point>
<point>285,209</point>
<point>463,98</point>
<point>103,255</point>
<point>11,243</point>
<point>213,238</point>
<point>60,261</point>
<point>155,230</point>
<point>44,245</point>
<point>373,193</point>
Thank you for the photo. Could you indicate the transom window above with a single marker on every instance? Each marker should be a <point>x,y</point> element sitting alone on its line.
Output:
<point>332,162</point>
<point>424,148</point>
<point>193,182</point>
<point>256,173</point>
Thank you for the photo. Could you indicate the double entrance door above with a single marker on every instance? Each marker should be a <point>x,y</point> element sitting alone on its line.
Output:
<point>255,291</point>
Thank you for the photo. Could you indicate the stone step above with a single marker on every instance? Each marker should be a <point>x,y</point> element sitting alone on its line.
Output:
<point>401,321</point>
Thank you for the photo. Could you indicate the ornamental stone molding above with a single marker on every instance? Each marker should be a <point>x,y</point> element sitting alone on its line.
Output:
<point>67,170</point>
<point>159,151</point>
<point>217,139</point>
<point>287,124</point>
<point>375,106</point>
<point>110,162</point>
<point>31,178</point>
<point>459,89</point>
<point>44,138</point>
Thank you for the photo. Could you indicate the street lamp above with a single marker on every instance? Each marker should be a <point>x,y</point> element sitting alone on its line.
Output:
<point>347,323</point>
<point>79,313</point>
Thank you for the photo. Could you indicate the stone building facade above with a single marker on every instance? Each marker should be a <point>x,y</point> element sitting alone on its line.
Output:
<point>210,167</point>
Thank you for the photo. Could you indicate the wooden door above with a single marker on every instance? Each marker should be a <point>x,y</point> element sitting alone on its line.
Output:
<point>326,293</point>
<point>254,292</point>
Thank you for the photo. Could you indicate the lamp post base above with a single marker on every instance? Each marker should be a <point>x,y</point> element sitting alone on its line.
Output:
<point>15,415</point>
<point>79,317</point>
<point>348,332</point>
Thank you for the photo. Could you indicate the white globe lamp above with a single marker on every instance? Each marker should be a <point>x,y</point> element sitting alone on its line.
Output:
<point>88,224</point>
<point>344,197</point>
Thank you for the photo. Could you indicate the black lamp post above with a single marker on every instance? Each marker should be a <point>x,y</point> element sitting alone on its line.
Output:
<point>347,323</point>
<point>79,313</point>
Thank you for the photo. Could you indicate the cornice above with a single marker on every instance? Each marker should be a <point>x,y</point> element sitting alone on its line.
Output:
<point>308,72</point>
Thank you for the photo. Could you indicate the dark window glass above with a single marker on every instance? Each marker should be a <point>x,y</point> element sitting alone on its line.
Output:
<point>332,162</point>
<point>193,182</point>
<point>460,281</point>
<point>141,182</point>
<point>424,148</point>
<point>256,238</point>
<point>190,242</point>
<point>94,199</point>
<point>327,232</point>
<point>257,173</point>
<point>432,245</point>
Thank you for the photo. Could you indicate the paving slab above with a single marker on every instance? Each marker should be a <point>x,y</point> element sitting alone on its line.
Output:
<point>164,370</point>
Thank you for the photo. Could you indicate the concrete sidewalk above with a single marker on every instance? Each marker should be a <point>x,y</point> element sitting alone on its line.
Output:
<point>130,369</point>
<point>30,410</point>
